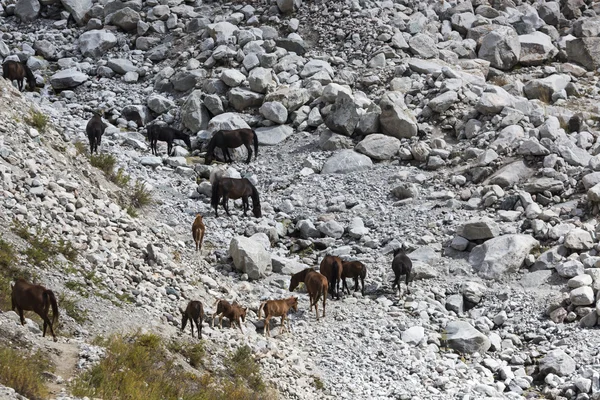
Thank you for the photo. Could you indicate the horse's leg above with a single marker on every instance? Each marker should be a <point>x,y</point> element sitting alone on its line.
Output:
<point>201,238</point>
<point>21,315</point>
<point>245,204</point>
<point>249,149</point>
<point>184,323</point>
<point>226,205</point>
<point>221,321</point>
<point>239,322</point>
<point>324,301</point>
<point>192,326</point>
<point>316,307</point>
<point>199,326</point>
<point>362,281</point>
<point>227,154</point>
<point>267,332</point>
<point>283,324</point>
<point>169,148</point>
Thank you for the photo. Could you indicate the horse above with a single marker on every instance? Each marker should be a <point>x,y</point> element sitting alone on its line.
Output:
<point>195,313</point>
<point>354,269</point>
<point>14,70</point>
<point>401,265</point>
<point>331,267</point>
<point>95,129</point>
<point>234,312</point>
<point>167,134</point>
<point>316,286</point>
<point>198,229</point>
<point>232,139</point>
<point>28,297</point>
<point>226,188</point>
<point>277,308</point>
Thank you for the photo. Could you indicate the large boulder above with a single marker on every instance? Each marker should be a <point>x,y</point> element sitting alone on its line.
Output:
<point>241,99</point>
<point>137,113</point>
<point>443,102</point>
<point>261,80</point>
<point>494,101</point>
<point>479,229</point>
<point>274,111</point>
<point>125,18</point>
<point>194,114</point>
<point>272,135</point>
<point>462,337</point>
<point>578,239</point>
<point>27,10</point>
<point>95,43</point>
<point>501,47</point>
<point>227,122</point>
<point>121,65</point>
<point>378,146</point>
<point>557,362</point>
<point>587,27</point>
<point>536,48</point>
<point>423,46</point>
<point>396,119</point>
<point>67,79</point>
<point>159,104</point>
<point>500,255</point>
<point>343,117</point>
<point>291,98</point>
<point>543,89</point>
<point>585,51</point>
<point>346,161</point>
<point>78,9</point>
<point>288,6</point>
<point>250,256</point>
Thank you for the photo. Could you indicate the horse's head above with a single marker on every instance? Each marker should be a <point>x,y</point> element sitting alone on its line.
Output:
<point>256,210</point>
<point>208,158</point>
<point>243,314</point>
<point>295,304</point>
<point>31,82</point>
<point>294,282</point>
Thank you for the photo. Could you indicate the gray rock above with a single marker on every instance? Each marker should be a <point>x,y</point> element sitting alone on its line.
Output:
<point>557,362</point>
<point>96,43</point>
<point>593,193</point>
<point>501,47</point>
<point>493,102</point>
<point>455,303</point>
<point>413,335</point>
<point>500,255</point>
<point>27,10</point>
<point>194,114</point>
<point>78,9</point>
<point>579,281</point>
<point>288,6</point>
<point>227,122</point>
<point>261,80</point>
<point>307,229</point>
<point>332,229</point>
<point>396,119</point>
<point>570,268</point>
<point>332,141</point>
<point>151,161</point>
<point>286,266</point>
<point>541,185</point>
<point>479,228</point>
<point>346,161</point>
<point>125,18</point>
<point>582,296</point>
<point>293,45</point>
<point>472,291</point>
<point>242,99</point>
<point>67,79</point>
<point>272,135</point>
<point>250,257</point>
<point>291,98</point>
<point>423,46</point>
<point>121,65</point>
<point>343,117</point>
<point>274,111</point>
<point>159,104</point>
<point>511,174</point>
<point>314,66</point>
<point>536,48</point>
<point>406,190</point>
<point>578,239</point>
<point>138,113</point>
<point>378,146</point>
<point>543,89</point>
<point>357,228</point>
<point>232,77</point>
<point>443,102</point>
<point>462,337</point>
<point>585,51</point>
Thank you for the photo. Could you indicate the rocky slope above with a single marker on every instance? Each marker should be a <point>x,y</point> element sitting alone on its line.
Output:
<point>465,130</point>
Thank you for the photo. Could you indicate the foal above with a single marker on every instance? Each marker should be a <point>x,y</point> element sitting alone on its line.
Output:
<point>234,313</point>
<point>354,269</point>
<point>36,298</point>
<point>167,134</point>
<point>316,286</point>
<point>95,129</point>
<point>277,308</point>
<point>17,71</point>
<point>195,313</point>
<point>198,230</point>
<point>401,265</point>
<point>331,267</point>
<point>232,139</point>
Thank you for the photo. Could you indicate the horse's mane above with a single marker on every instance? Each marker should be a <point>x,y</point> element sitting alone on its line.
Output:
<point>212,143</point>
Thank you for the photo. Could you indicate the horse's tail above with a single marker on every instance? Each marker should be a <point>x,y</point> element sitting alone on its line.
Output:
<point>255,144</point>
<point>48,295</point>
<point>262,305</point>
<point>214,198</point>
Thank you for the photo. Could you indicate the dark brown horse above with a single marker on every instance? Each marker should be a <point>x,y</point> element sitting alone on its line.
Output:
<point>232,139</point>
<point>95,129</point>
<point>316,286</point>
<point>195,313</point>
<point>277,308</point>
<point>36,298</point>
<point>167,134</point>
<point>233,188</point>
<point>331,267</point>
<point>354,269</point>
<point>17,71</point>
<point>401,265</point>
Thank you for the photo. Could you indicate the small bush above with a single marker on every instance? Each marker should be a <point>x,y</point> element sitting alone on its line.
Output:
<point>66,249</point>
<point>41,248</point>
<point>9,271</point>
<point>24,372</point>
<point>20,230</point>
<point>37,119</point>
<point>104,162</point>
<point>72,308</point>
<point>194,353</point>
<point>140,196</point>
<point>318,383</point>
<point>120,178</point>
<point>132,212</point>
<point>242,364</point>
<point>81,148</point>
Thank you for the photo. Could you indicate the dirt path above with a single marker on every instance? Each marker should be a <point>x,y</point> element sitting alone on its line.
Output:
<point>64,355</point>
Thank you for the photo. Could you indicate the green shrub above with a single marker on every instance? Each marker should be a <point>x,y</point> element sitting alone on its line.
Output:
<point>120,178</point>
<point>24,372</point>
<point>194,353</point>
<point>242,365</point>
<point>72,308</point>
<point>140,196</point>
<point>37,120</point>
<point>104,162</point>
<point>81,148</point>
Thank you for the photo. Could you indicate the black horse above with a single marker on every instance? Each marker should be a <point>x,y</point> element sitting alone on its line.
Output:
<point>401,265</point>
<point>167,134</point>
<point>95,129</point>
<point>14,70</point>
<point>232,139</point>
<point>232,188</point>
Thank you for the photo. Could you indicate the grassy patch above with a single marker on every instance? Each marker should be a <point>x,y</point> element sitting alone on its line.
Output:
<point>37,120</point>
<point>141,367</point>
<point>193,352</point>
<point>24,372</point>
<point>104,162</point>
<point>40,248</point>
<point>9,271</point>
<point>72,308</point>
<point>81,148</point>
<point>78,287</point>
<point>140,196</point>
<point>121,179</point>
<point>318,383</point>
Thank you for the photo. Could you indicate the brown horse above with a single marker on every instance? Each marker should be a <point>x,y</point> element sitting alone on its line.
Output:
<point>36,298</point>
<point>17,71</point>
<point>234,313</point>
<point>401,265</point>
<point>316,286</point>
<point>331,267</point>
<point>232,139</point>
<point>277,308</point>
<point>354,269</point>
<point>95,129</point>
<point>198,230</point>
<point>226,188</point>
<point>195,313</point>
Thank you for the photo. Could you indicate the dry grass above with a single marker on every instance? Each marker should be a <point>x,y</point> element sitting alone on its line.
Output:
<point>24,372</point>
<point>37,120</point>
<point>9,271</point>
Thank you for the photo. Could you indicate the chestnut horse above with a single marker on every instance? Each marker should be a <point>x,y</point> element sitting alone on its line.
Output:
<point>195,313</point>
<point>95,129</point>
<point>331,267</point>
<point>316,286</point>
<point>233,188</point>
<point>354,269</point>
<point>198,229</point>
<point>28,297</point>
<point>401,265</point>
<point>234,312</point>
<point>277,308</point>
<point>232,139</point>
<point>17,71</point>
